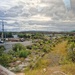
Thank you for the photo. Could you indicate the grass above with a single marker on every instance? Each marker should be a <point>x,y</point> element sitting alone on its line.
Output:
<point>61,48</point>
<point>34,72</point>
<point>69,69</point>
<point>42,63</point>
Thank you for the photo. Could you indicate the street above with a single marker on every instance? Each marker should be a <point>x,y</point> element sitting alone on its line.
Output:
<point>8,45</point>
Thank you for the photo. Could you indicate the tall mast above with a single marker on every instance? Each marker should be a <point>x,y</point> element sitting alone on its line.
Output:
<point>2,30</point>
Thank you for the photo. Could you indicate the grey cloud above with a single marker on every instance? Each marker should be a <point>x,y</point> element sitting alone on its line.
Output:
<point>55,9</point>
<point>14,11</point>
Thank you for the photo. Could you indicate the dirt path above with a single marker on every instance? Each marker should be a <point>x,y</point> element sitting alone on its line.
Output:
<point>20,74</point>
<point>54,71</point>
<point>59,50</point>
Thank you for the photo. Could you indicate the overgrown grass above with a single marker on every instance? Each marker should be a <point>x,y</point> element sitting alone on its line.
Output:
<point>38,68</point>
<point>69,69</point>
<point>34,72</point>
<point>45,62</point>
<point>42,63</point>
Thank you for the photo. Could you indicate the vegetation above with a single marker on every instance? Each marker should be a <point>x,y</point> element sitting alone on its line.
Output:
<point>18,51</point>
<point>45,54</point>
<point>71,51</point>
<point>5,59</point>
<point>2,48</point>
<point>62,54</point>
<point>31,36</point>
<point>18,47</point>
<point>21,35</point>
<point>24,53</point>
<point>69,67</point>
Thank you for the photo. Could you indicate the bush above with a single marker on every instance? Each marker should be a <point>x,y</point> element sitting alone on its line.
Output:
<point>18,47</point>
<point>24,53</point>
<point>46,49</point>
<point>29,47</point>
<point>71,52</point>
<point>2,48</point>
<point>5,59</point>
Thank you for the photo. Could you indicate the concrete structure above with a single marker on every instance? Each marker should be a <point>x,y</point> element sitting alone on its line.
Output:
<point>4,71</point>
<point>15,36</point>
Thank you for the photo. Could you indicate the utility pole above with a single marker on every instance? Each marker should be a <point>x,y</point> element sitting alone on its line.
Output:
<point>2,31</point>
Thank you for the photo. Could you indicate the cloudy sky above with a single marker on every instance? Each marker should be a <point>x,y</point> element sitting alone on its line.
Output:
<point>37,15</point>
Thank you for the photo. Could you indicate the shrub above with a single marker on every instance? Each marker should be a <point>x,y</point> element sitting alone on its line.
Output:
<point>29,47</point>
<point>71,52</point>
<point>2,48</point>
<point>18,47</point>
<point>24,53</point>
<point>46,49</point>
<point>5,59</point>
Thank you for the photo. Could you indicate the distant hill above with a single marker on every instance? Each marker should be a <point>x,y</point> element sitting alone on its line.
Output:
<point>73,31</point>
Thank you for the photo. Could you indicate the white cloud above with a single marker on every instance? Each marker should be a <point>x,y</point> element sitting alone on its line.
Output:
<point>10,22</point>
<point>40,18</point>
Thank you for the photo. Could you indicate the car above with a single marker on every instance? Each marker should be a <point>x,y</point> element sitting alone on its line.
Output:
<point>1,41</point>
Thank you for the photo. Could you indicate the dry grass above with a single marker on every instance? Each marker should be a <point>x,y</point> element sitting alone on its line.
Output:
<point>69,69</point>
<point>61,48</point>
<point>32,72</point>
<point>46,71</point>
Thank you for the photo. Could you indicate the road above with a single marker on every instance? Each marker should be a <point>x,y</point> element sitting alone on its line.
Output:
<point>8,45</point>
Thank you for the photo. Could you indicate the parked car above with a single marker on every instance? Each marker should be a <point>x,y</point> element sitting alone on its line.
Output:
<point>1,41</point>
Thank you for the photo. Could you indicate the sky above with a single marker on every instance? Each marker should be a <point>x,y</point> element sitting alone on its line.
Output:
<point>37,15</point>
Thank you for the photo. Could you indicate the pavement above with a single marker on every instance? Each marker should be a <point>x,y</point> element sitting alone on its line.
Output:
<point>8,45</point>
